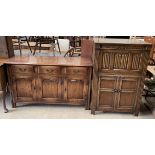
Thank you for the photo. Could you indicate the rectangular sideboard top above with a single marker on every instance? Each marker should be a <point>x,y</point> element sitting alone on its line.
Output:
<point>45,60</point>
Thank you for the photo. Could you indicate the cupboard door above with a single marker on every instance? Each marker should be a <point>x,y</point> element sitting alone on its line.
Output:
<point>127,94</point>
<point>24,88</point>
<point>107,93</point>
<point>76,90</point>
<point>49,88</point>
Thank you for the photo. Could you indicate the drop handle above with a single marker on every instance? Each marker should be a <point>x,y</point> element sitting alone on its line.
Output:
<point>119,91</point>
<point>114,90</point>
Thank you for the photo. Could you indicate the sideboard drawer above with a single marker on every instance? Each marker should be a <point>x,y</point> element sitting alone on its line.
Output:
<point>50,70</point>
<point>20,69</point>
<point>77,70</point>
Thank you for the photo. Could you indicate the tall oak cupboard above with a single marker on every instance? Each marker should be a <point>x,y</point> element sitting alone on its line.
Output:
<point>119,68</point>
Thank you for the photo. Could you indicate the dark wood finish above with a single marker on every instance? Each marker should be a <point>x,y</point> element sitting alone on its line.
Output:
<point>6,47</point>
<point>151,39</point>
<point>87,48</point>
<point>50,82</point>
<point>118,75</point>
<point>3,86</point>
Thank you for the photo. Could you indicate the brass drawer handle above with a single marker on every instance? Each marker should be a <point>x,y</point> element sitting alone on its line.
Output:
<point>22,70</point>
<point>73,80</point>
<point>50,70</point>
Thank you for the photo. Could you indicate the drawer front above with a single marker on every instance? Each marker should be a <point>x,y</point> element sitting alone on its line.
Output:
<point>20,69</point>
<point>77,70</point>
<point>50,70</point>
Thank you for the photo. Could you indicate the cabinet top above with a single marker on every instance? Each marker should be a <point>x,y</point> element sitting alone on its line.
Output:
<point>55,61</point>
<point>121,41</point>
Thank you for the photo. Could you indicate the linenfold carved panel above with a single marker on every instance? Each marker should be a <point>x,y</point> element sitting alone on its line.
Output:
<point>106,60</point>
<point>116,60</point>
<point>136,61</point>
<point>120,61</point>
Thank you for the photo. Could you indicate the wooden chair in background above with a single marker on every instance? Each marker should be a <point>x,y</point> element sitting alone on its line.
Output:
<point>40,40</point>
<point>151,39</point>
<point>86,49</point>
<point>22,39</point>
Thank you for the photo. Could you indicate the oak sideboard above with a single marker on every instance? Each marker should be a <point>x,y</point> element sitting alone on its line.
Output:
<point>50,80</point>
<point>119,68</point>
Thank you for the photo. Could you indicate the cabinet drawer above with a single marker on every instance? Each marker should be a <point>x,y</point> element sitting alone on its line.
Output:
<point>22,69</point>
<point>77,70</point>
<point>49,70</point>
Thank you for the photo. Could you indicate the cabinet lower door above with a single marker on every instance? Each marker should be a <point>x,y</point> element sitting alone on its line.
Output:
<point>23,88</point>
<point>127,95</point>
<point>106,100</point>
<point>76,90</point>
<point>49,89</point>
<point>106,93</point>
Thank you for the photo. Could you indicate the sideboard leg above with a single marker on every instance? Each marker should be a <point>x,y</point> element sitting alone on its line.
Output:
<point>136,113</point>
<point>4,103</point>
<point>93,111</point>
<point>13,104</point>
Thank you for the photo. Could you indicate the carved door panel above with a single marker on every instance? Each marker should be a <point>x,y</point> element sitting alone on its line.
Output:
<point>49,88</point>
<point>107,93</point>
<point>76,90</point>
<point>127,93</point>
<point>122,58</point>
<point>24,88</point>
<point>113,60</point>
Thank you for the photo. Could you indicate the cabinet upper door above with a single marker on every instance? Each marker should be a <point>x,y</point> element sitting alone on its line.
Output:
<point>106,93</point>
<point>49,88</point>
<point>127,93</point>
<point>24,88</point>
<point>122,58</point>
<point>76,90</point>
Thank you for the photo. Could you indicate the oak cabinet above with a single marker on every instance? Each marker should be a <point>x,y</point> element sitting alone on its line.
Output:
<point>76,89</point>
<point>117,93</point>
<point>49,88</point>
<point>23,88</point>
<point>50,84</point>
<point>118,73</point>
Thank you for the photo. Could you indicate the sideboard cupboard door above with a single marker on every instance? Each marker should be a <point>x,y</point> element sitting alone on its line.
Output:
<point>49,88</point>
<point>127,94</point>
<point>24,88</point>
<point>76,90</point>
<point>107,93</point>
